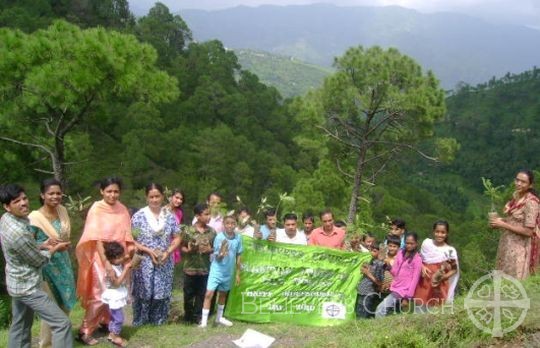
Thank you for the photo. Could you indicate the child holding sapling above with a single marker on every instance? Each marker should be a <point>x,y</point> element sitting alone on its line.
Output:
<point>196,250</point>
<point>369,286</point>
<point>226,256</point>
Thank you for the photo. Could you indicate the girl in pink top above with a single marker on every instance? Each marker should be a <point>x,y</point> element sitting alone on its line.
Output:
<point>406,271</point>
<point>176,200</point>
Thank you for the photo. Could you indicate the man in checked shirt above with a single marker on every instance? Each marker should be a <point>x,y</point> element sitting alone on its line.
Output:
<point>24,259</point>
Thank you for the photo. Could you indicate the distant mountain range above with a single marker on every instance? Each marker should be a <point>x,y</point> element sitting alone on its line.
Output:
<point>456,47</point>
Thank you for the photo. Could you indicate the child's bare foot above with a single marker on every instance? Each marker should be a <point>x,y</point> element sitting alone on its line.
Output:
<point>117,340</point>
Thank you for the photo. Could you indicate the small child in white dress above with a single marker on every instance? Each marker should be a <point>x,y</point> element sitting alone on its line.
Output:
<point>116,294</point>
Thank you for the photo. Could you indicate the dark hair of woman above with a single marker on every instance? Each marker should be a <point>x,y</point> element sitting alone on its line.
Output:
<point>446,225</point>
<point>111,180</point>
<point>45,184</point>
<point>153,186</point>
<point>404,251</point>
<point>530,175</point>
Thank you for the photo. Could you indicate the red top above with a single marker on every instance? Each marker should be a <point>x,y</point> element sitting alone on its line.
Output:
<point>336,239</point>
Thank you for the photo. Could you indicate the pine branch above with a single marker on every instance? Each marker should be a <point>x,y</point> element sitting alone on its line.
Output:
<point>407,146</point>
<point>350,176</point>
<point>336,137</point>
<point>39,146</point>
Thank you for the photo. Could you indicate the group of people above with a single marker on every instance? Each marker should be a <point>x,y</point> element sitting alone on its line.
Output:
<point>404,275</point>
<point>128,257</point>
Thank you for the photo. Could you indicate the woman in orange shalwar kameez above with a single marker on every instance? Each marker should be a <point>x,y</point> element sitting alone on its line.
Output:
<point>107,220</point>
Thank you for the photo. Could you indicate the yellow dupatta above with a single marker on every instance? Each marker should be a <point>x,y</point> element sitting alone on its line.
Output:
<point>39,220</point>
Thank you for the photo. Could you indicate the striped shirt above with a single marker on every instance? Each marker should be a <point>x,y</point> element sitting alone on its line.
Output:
<point>23,257</point>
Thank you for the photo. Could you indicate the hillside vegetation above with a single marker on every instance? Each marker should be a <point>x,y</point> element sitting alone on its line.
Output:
<point>290,76</point>
<point>498,125</point>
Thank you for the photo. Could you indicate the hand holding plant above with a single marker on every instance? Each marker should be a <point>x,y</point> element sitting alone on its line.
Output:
<point>495,195</point>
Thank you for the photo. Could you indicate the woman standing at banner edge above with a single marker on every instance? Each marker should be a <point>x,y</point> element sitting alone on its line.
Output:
<point>517,254</point>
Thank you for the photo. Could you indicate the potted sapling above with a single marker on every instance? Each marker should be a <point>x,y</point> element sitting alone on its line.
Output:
<point>495,195</point>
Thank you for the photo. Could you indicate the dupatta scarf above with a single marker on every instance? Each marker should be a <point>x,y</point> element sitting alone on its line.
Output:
<point>106,223</point>
<point>39,220</point>
<point>436,254</point>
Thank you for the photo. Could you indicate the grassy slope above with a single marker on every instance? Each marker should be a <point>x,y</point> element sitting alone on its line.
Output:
<point>291,77</point>
<point>406,330</point>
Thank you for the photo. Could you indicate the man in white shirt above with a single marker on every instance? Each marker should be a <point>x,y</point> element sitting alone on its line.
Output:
<point>290,234</point>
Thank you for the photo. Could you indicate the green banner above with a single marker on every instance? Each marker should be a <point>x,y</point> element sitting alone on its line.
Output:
<point>295,284</point>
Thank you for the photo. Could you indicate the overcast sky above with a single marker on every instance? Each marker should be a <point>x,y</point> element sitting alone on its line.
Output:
<point>526,12</point>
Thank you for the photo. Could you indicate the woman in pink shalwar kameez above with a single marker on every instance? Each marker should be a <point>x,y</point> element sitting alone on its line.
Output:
<point>108,220</point>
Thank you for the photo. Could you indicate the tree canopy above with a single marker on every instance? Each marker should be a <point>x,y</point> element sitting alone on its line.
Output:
<point>377,104</point>
<point>54,81</point>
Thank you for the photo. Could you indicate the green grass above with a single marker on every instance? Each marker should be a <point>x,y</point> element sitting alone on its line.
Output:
<point>404,330</point>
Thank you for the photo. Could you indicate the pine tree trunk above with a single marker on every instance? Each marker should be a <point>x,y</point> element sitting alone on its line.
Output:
<point>58,160</point>
<point>353,206</point>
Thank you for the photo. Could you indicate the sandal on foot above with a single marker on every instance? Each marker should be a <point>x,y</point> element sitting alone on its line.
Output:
<point>87,340</point>
<point>118,341</point>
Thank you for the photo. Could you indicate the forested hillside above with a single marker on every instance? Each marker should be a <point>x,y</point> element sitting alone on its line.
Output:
<point>215,126</point>
<point>290,76</point>
<point>498,126</point>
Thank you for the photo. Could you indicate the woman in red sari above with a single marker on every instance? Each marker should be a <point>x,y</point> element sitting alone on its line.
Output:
<point>518,251</point>
<point>108,220</point>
